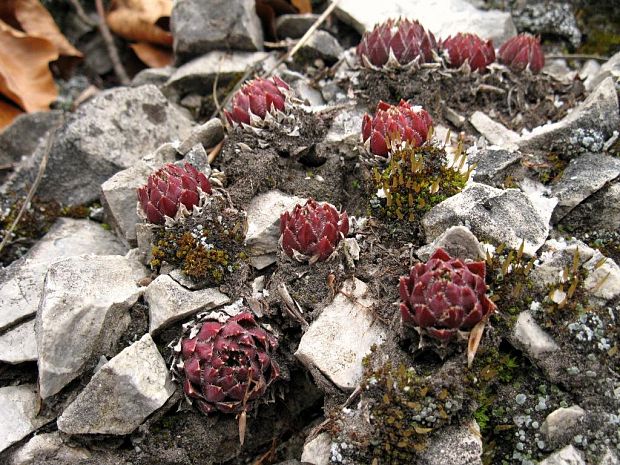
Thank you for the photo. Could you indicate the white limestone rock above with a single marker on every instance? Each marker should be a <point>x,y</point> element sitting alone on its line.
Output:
<point>531,338</point>
<point>122,394</point>
<point>317,451</point>
<point>19,344</point>
<point>342,335</point>
<point>18,410</point>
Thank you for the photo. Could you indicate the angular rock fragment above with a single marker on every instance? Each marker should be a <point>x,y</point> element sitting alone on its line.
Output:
<point>18,410</point>
<point>19,344</point>
<point>122,394</point>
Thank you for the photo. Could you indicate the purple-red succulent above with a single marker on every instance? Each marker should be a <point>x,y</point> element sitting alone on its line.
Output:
<point>313,230</point>
<point>521,52</point>
<point>395,123</point>
<point>470,48</point>
<point>257,98</point>
<point>228,365</point>
<point>403,40</point>
<point>170,187</point>
<point>444,295</point>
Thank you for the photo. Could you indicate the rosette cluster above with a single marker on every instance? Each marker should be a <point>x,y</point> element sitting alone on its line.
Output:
<point>394,124</point>
<point>468,48</point>
<point>397,43</point>
<point>443,296</point>
<point>170,187</point>
<point>227,366</point>
<point>522,52</point>
<point>312,231</point>
<point>257,99</point>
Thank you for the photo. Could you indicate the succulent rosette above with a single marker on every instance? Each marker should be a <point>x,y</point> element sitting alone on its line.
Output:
<point>171,189</point>
<point>257,100</point>
<point>444,296</point>
<point>522,52</point>
<point>468,48</point>
<point>227,366</point>
<point>312,231</point>
<point>397,43</point>
<point>394,124</point>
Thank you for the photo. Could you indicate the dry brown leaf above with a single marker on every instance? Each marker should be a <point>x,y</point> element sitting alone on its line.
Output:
<point>304,6</point>
<point>139,20</point>
<point>33,18</point>
<point>25,77</point>
<point>8,113</point>
<point>474,341</point>
<point>152,55</point>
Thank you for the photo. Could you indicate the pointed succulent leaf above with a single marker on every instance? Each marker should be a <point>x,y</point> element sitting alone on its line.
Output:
<point>256,98</point>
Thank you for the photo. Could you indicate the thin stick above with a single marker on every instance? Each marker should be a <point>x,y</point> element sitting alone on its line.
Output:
<point>305,37</point>
<point>33,188</point>
<point>82,14</point>
<point>215,152</point>
<point>119,70</point>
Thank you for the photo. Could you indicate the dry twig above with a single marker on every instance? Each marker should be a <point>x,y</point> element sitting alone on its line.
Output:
<point>119,70</point>
<point>82,14</point>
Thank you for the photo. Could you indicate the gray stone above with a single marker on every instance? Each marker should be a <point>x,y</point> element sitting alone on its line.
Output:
<point>610,69</point>
<point>581,178</point>
<point>562,424</point>
<point>21,284</point>
<point>609,458</point>
<point>144,237</point>
<point>530,337</point>
<point>28,130</point>
<point>69,237</point>
<point>83,311</point>
<point>494,164</point>
<point>317,451</point>
<point>566,456</point>
<point>264,225</point>
<point>200,26</point>
<point>555,257</point>
<point>122,394</point>
<point>589,69</point>
<point>454,445</point>
<point>502,216</point>
<point>170,302</point>
<point>19,344</point>
<point>304,90</point>
<point>294,26</point>
<point>603,281</point>
<point>208,134</point>
<point>441,17</point>
<point>458,241</point>
<point>18,410</point>
<point>336,353</point>
<point>601,211</point>
<point>346,126</point>
<point>548,18</point>
<point>49,449</point>
<point>323,45</point>
<point>155,76</point>
<point>585,129</point>
<point>108,133</point>
<point>197,76</point>
<point>496,133</point>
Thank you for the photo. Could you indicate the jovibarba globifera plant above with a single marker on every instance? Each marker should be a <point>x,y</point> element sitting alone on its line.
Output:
<point>194,227</point>
<point>417,175</point>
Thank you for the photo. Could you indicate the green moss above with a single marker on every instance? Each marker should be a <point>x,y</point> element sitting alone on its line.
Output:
<point>416,179</point>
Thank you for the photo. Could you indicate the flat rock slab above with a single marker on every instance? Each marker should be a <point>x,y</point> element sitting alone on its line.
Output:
<point>441,17</point>
<point>21,284</point>
<point>585,129</point>
<point>338,340</point>
<point>106,134</point>
<point>19,344</point>
<point>496,133</point>
<point>531,338</point>
<point>493,164</point>
<point>83,308</point>
<point>49,449</point>
<point>502,216</point>
<point>569,455</point>
<point>170,302</point>
<point>18,407</point>
<point>198,75</point>
<point>69,237</point>
<point>458,241</point>
<point>200,26</point>
<point>122,394</point>
<point>581,178</point>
